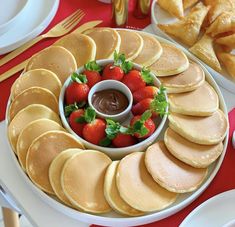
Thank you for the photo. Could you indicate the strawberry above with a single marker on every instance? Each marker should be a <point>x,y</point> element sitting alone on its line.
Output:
<point>78,90</point>
<point>145,92</point>
<point>92,72</point>
<point>141,106</point>
<point>77,127</point>
<point>124,140</point>
<point>136,80</point>
<point>142,125</point>
<point>116,70</point>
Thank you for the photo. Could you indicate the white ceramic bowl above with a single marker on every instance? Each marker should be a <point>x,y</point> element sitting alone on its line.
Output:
<point>114,153</point>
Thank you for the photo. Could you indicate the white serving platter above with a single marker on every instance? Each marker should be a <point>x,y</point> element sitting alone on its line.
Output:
<point>35,17</point>
<point>112,218</point>
<point>160,16</point>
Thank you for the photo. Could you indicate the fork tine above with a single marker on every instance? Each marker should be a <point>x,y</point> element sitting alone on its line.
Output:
<point>67,19</point>
<point>72,19</point>
<point>73,23</point>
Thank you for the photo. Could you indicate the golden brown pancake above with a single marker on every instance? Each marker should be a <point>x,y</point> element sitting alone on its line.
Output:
<point>107,40</point>
<point>56,59</point>
<point>196,155</point>
<point>25,116</point>
<point>170,172</point>
<point>202,130</point>
<point>189,80</point>
<point>150,52</point>
<point>81,46</point>
<point>137,187</point>
<point>171,62</point>
<point>37,78</point>
<point>55,170</point>
<point>112,194</point>
<point>82,181</point>
<point>131,44</point>
<point>33,95</point>
<point>203,101</point>
<point>31,132</point>
<point>41,153</point>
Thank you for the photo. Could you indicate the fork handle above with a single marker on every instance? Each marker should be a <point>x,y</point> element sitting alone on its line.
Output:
<point>20,49</point>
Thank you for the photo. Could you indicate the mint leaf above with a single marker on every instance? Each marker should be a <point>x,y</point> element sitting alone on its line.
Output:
<point>105,142</point>
<point>89,115</point>
<point>146,76</point>
<point>79,78</point>
<point>112,128</point>
<point>120,60</point>
<point>92,66</point>
<point>146,115</point>
<point>140,128</point>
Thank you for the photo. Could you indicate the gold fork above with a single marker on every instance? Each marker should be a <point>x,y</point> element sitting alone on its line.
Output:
<point>60,29</point>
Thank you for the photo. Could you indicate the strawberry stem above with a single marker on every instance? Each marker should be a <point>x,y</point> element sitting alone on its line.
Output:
<point>79,78</point>
<point>120,61</point>
<point>92,66</point>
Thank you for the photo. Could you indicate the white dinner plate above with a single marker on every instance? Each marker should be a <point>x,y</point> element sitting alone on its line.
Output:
<point>218,211</point>
<point>160,16</point>
<point>114,219</point>
<point>36,16</point>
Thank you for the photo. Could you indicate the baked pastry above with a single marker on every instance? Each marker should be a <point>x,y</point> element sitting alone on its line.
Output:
<point>174,7</point>
<point>228,41</point>
<point>188,3</point>
<point>228,60</point>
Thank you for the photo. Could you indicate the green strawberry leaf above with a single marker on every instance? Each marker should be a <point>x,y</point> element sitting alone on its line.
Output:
<point>89,114</point>
<point>145,74</point>
<point>140,128</point>
<point>92,66</point>
<point>146,115</point>
<point>80,119</point>
<point>70,108</point>
<point>120,60</point>
<point>112,128</point>
<point>127,66</point>
<point>79,78</point>
<point>105,142</point>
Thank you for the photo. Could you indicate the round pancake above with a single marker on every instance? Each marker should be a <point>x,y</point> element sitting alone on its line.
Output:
<point>202,130</point>
<point>55,170</point>
<point>41,153</point>
<point>112,194</point>
<point>203,101</point>
<point>25,116</point>
<point>107,40</point>
<point>171,173</point>
<point>150,52</point>
<point>31,132</point>
<point>171,62</point>
<point>56,59</point>
<point>81,46</point>
<point>33,95</point>
<point>137,187</point>
<point>37,78</point>
<point>196,155</point>
<point>189,80</point>
<point>131,44</point>
<point>82,181</point>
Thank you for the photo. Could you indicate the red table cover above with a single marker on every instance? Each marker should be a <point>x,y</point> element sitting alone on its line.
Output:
<point>95,10</point>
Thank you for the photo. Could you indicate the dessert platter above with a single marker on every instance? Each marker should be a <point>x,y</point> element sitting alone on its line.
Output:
<point>126,131</point>
<point>205,28</point>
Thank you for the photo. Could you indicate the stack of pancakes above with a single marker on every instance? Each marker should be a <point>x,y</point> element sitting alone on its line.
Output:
<point>88,180</point>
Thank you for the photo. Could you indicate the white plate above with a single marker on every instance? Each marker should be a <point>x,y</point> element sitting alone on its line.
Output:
<point>36,16</point>
<point>215,212</point>
<point>160,16</point>
<point>114,219</point>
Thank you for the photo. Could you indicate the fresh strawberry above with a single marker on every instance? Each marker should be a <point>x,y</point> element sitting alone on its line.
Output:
<point>92,72</point>
<point>140,107</point>
<point>143,93</point>
<point>124,140</point>
<point>77,127</point>
<point>142,125</point>
<point>136,80</point>
<point>116,70</point>
<point>78,90</point>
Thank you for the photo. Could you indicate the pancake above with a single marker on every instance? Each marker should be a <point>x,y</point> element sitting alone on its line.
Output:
<point>189,80</point>
<point>203,101</point>
<point>37,78</point>
<point>81,46</point>
<point>56,59</point>
<point>33,95</point>
<point>41,153</point>
<point>31,132</point>
<point>82,181</point>
<point>137,187</point>
<point>171,62</point>
<point>55,170</point>
<point>25,116</point>
<point>131,44</point>
<point>112,195</point>
<point>171,173</point>
<point>199,156</point>
<point>202,130</point>
<point>107,40</point>
<point>150,52</point>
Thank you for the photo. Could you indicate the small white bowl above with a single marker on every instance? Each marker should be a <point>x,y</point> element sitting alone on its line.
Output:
<point>114,153</point>
<point>116,85</point>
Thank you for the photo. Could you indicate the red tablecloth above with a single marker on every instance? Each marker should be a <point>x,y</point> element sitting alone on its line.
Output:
<point>96,10</point>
